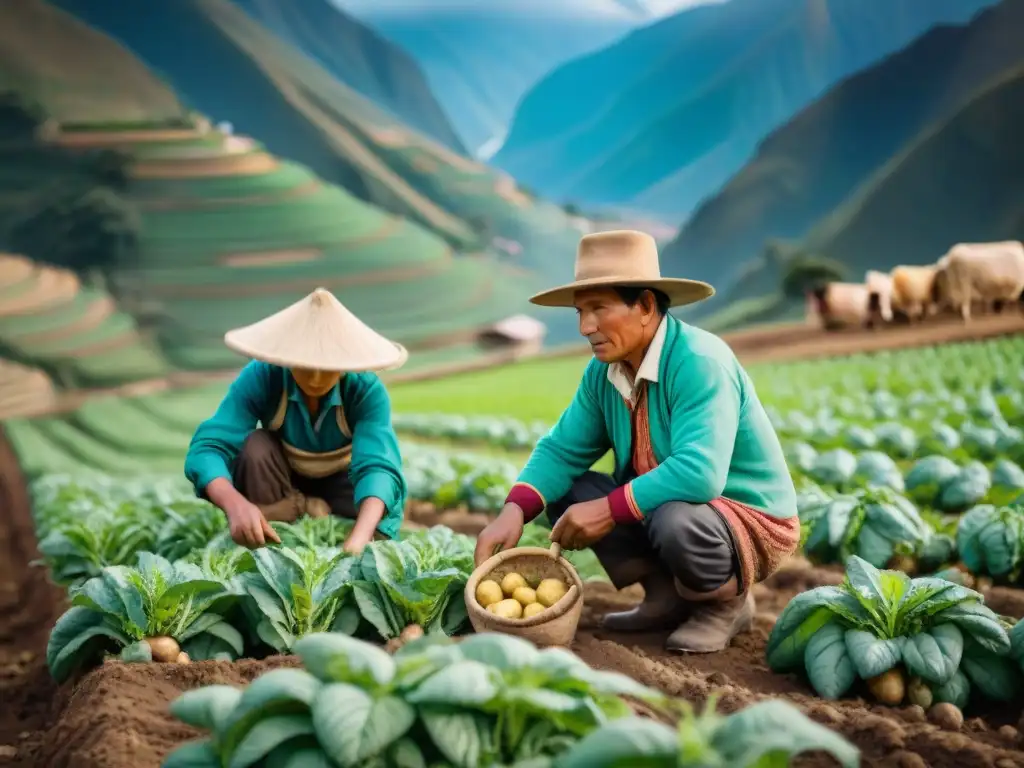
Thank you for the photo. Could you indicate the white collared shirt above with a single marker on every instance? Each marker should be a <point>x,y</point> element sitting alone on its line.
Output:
<point>618,373</point>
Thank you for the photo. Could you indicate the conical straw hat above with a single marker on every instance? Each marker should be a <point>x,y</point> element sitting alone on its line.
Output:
<point>317,333</point>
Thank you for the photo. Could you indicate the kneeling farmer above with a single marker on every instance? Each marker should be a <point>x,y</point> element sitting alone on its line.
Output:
<point>326,445</point>
<point>701,505</point>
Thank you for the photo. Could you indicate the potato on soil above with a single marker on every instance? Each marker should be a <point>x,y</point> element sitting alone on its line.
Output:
<point>525,596</point>
<point>164,649</point>
<point>919,693</point>
<point>512,582</point>
<point>508,609</point>
<point>550,592</point>
<point>888,687</point>
<point>947,716</point>
<point>183,658</point>
<point>532,610</point>
<point>488,592</point>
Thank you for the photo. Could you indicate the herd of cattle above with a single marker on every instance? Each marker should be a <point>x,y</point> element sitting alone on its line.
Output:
<point>989,276</point>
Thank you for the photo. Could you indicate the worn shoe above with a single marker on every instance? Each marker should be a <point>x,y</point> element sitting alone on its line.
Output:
<point>316,507</point>
<point>662,608</point>
<point>712,626</point>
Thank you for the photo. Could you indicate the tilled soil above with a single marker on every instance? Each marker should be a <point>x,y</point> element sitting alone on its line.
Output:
<point>116,716</point>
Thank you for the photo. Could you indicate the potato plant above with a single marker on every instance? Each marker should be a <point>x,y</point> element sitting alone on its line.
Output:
<point>489,700</point>
<point>990,541</point>
<point>152,612</point>
<point>923,640</point>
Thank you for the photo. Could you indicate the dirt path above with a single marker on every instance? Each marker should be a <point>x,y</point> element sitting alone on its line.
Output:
<point>29,605</point>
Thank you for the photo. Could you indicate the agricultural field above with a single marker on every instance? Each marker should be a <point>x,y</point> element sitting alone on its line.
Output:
<point>230,234</point>
<point>75,333</point>
<point>896,630</point>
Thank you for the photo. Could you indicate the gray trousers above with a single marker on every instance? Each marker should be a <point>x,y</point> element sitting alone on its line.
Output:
<point>262,474</point>
<point>692,542</point>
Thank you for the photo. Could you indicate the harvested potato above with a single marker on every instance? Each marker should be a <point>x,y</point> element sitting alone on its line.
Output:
<point>488,592</point>
<point>532,610</point>
<point>919,693</point>
<point>492,606</point>
<point>524,596</point>
<point>550,591</point>
<point>508,609</point>
<point>164,649</point>
<point>511,583</point>
<point>888,687</point>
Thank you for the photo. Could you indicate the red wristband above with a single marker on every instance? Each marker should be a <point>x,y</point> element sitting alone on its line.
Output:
<point>527,499</point>
<point>624,511</point>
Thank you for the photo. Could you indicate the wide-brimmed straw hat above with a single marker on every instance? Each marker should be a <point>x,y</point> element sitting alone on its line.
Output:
<point>317,333</point>
<point>622,257</point>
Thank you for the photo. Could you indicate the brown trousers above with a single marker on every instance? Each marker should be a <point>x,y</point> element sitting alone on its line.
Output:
<point>262,474</point>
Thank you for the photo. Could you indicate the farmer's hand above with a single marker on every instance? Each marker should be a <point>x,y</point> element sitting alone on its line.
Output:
<point>503,532</point>
<point>584,523</point>
<point>248,526</point>
<point>357,541</point>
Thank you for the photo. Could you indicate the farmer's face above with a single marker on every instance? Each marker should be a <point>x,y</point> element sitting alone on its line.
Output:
<point>615,330</point>
<point>315,383</point>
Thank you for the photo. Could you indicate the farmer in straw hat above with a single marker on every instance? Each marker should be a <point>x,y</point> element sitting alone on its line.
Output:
<point>326,445</point>
<point>700,506</point>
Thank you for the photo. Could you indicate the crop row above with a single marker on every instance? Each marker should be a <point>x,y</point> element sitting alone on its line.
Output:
<point>153,577</point>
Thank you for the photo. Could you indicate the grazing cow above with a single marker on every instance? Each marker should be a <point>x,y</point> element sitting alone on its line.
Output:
<point>841,304</point>
<point>879,294</point>
<point>990,273</point>
<point>912,290</point>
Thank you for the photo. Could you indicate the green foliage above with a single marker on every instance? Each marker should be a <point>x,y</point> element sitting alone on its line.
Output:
<point>877,621</point>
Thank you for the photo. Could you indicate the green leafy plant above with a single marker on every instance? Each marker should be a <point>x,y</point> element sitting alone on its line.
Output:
<point>79,549</point>
<point>136,610</point>
<point>489,700</point>
<point>764,735</point>
<point>874,524</point>
<point>190,524</point>
<point>990,540</point>
<point>415,582</point>
<point>877,624</point>
<point>313,532</point>
<point>295,592</point>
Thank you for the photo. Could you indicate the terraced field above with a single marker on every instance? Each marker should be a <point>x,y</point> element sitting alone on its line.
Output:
<point>230,234</point>
<point>75,333</point>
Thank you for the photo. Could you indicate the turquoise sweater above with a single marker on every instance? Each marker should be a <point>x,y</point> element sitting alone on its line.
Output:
<point>254,396</point>
<point>710,434</point>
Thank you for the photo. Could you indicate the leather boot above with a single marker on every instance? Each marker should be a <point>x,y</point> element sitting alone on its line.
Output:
<point>662,608</point>
<point>713,625</point>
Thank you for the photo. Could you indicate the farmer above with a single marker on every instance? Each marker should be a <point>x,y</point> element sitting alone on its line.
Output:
<point>700,506</point>
<point>325,445</point>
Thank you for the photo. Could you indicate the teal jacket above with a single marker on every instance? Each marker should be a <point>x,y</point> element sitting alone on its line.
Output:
<point>710,435</point>
<point>253,397</point>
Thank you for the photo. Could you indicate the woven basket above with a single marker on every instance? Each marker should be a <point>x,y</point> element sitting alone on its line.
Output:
<point>557,624</point>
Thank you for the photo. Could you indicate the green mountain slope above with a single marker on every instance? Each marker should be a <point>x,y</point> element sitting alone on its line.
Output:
<point>218,232</point>
<point>812,164</point>
<point>960,180</point>
<point>359,57</point>
<point>701,89</point>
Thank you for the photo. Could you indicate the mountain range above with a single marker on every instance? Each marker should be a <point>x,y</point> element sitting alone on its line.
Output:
<point>892,166</point>
<point>661,119</point>
<point>481,57</point>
